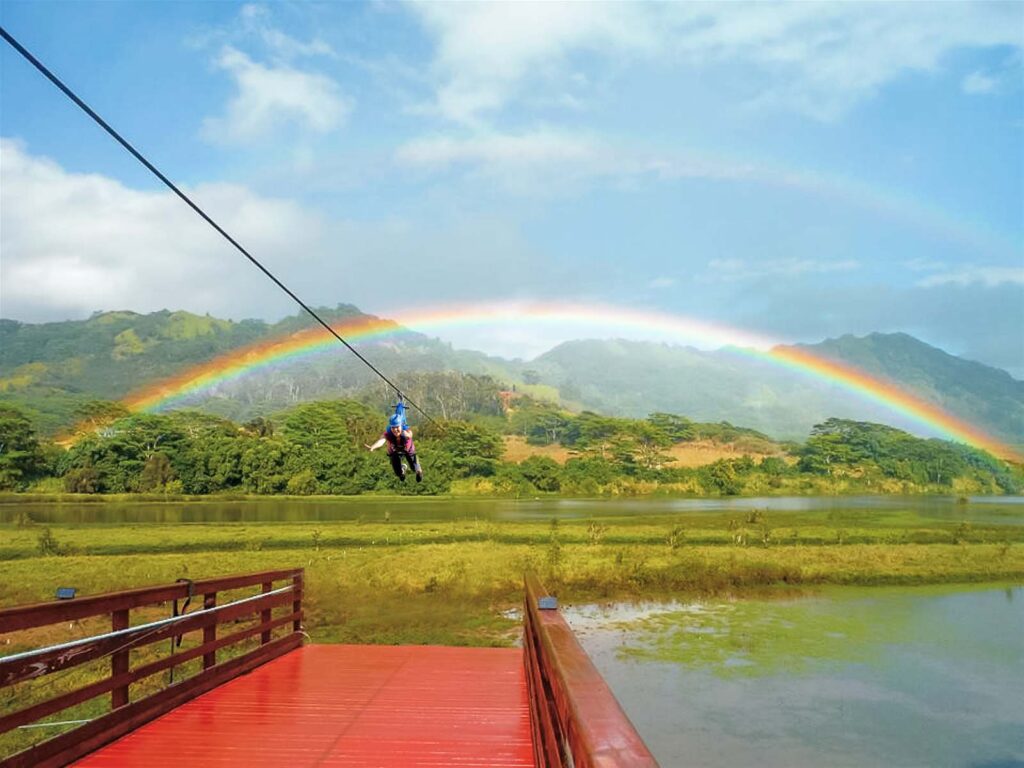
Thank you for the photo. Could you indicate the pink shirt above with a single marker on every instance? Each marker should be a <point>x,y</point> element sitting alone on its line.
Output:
<point>402,444</point>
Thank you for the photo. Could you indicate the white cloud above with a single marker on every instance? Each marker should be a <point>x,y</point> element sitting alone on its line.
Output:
<point>733,269</point>
<point>978,83</point>
<point>817,58</point>
<point>486,49</point>
<point>971,274</point>
<point>74,243</point>
<point>270,97</point>
<point>256,20</point>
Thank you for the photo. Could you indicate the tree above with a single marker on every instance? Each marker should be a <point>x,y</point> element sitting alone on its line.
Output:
<point>84,479</point>
<point>213,464</point>
<point>119,453</point>
<point>96,416</point>
<point>823,453</point>
<point>544,473</point>
<point>590,432</point>
<point>679,429</point>
<point>722,476</point>
<point>647,445</point>
<point>331,424</point>
<point>302,484</point>
<point>156,473</point>
<point>263,465</point>
<point>20,455</point>
<point>259,427</point>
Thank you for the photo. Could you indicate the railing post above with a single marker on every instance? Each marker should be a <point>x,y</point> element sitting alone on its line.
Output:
<point>210,630</point>
<point>297,602</point>
<point>266,615</point>
<point>119,660</point>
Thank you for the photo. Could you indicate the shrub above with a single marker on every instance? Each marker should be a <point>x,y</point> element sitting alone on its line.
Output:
<point>302,483</point>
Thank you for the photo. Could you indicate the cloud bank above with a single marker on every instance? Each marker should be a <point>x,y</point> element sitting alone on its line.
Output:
<point>77,243</point>
<point>819,59</point>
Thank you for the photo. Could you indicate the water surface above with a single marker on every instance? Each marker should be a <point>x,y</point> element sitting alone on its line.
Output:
<point>983,509</point>
<point>929,676</point>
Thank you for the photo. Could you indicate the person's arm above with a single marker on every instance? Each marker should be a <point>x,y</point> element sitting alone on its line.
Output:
<point>376,445</point>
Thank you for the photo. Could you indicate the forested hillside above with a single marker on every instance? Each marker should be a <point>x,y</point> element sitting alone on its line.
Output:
<point>52,371</point>
<point>320,448</point>
<point>634,378</point>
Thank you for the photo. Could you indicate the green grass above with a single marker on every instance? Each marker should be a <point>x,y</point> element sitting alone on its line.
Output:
<point>367,579</point>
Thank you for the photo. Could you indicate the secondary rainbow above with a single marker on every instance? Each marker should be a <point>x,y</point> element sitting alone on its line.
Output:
<point>282,351</point>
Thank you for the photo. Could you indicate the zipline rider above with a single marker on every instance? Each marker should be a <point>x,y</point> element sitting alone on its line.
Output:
<point>398,437</point>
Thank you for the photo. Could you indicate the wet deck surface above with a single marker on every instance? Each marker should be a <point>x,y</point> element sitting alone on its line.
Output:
<point>345,705</point>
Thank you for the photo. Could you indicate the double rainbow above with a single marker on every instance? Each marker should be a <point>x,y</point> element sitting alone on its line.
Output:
<point>285,350</point>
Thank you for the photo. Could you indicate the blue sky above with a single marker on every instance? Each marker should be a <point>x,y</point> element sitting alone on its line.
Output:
<point>797,170</point>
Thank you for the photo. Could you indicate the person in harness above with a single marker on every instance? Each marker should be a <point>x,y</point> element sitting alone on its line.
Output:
<point>398,438</point>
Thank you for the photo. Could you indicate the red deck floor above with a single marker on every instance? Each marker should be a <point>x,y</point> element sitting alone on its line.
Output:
<point>345,705</point>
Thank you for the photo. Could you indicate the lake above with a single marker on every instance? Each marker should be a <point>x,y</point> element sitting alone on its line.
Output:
<point>926,676</point>
<point>981,509</point>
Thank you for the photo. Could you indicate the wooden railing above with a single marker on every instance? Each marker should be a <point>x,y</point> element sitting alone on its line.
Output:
<point>277,589</point>
<point>576,719</point>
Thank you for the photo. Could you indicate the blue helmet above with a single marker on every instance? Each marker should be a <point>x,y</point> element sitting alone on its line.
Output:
<point>398,420</point>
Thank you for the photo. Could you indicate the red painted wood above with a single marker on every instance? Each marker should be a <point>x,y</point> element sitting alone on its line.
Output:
<point>266,616</point>
<point>91,691</point>
<point>119,660</point>
<point>587,717</point>
<point>209,631</point>
<point>69,746</point>
<point>343,705</point>
<point>55,660</point>
<point>40,614</point>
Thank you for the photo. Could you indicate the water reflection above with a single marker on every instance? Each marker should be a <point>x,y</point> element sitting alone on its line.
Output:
<point>855,677</point>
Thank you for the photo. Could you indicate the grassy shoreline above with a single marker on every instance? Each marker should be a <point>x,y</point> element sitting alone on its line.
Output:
<point>402,561</point>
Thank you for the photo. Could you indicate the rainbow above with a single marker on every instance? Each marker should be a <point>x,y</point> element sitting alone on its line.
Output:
<point>283,351</point>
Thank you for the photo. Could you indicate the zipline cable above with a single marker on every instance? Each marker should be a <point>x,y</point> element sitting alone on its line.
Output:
<point>156,172</point>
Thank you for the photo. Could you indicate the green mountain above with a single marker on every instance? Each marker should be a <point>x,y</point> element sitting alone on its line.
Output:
<point>978,393</point>
<point>53,369</point>
<point>636,378</point>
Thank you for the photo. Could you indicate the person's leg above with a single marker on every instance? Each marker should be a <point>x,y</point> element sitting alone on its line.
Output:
<point>415,464</point>
<point>396,465</point>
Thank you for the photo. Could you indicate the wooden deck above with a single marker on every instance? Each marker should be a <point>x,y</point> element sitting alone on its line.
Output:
<point>276,702</point>
<point>343,705</point>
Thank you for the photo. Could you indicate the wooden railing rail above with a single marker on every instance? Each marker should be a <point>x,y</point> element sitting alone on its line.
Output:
<point>123,639</point>
<point>575,718</point>
<point>42,614</point>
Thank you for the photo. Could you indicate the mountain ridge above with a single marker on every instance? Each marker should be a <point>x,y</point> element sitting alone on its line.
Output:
<point>51,367</point>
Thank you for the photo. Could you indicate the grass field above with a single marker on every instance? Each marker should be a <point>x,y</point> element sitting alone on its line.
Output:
<point>385,580</point>
<point>698,453</point>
